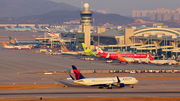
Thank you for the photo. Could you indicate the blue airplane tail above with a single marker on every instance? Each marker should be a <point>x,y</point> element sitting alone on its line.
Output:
<point>77,74</point>
<point>11,40</point>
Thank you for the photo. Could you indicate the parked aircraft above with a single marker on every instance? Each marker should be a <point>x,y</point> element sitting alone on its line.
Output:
<point>51,32</point>
<point>114,55</point>
<point>32,44</point>
<point>160,62</point>
<point>15,46</point>
<point>87,51</point>
<point>66,51</point>
<point>8,29</point>
<point>102,82</point>
<point>20,28</point>
<point>64,29</point>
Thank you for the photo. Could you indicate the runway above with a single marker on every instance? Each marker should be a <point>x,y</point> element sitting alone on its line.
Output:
<point>87,92</point>
<point>13,62</point>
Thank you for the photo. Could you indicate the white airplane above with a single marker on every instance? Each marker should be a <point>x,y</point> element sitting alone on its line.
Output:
<point>161,62</point>
<point>16,46</point>
<point>102,82</point>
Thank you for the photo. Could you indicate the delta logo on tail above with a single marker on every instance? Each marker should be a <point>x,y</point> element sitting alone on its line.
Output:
<point>77,74</point>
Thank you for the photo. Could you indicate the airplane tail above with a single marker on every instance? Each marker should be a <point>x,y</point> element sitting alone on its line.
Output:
<point>50,31</point>
<point>16,40</point>
<point>99,51</point>
<point>120,57</point>
<point>11,40</point>
<point>86,49</point>
<point>150,57</point>
<point>6,27</point>
<point>65,49</point>
<point>4,43</point>
<point>39,27</point>
<point>12,26</point>
<point>77,74</point>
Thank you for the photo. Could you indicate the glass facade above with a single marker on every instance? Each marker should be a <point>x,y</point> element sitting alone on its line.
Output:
<point>79,41</point>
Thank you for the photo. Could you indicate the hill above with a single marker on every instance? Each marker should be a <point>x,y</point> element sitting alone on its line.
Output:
<point>20,8</point>
<point>65,16</point>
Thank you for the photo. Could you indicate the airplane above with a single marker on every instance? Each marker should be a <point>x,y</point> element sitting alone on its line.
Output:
<point>160,62</point>
<point>51,31</point>
<point>15,46</point>
<point>102,82</point>
<point>63,29</point>
<point>114,55</point>
<point>33,44</point>
<point>38,29</point>
<point>20,28</point>
<point>66,51</point>
<point>9,29</point>
<point>87,51</point>
<point>127,60</point>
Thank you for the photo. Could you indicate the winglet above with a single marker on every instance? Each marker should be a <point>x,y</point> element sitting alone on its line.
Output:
<point>71,77</point>
<point>77,74</point>
<point>118,80</point>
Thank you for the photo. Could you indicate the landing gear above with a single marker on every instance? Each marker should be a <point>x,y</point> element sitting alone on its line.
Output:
<point>101,87</point>
<point>110,87</point>
<point>132,86</point>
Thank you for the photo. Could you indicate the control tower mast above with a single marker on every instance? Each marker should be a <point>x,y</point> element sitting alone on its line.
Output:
<point>86,22</point>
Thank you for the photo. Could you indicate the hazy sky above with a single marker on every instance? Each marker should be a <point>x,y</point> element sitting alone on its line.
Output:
<point>125,7</point>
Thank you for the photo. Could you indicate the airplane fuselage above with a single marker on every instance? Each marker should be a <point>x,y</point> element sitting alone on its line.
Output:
<point>106,81</point>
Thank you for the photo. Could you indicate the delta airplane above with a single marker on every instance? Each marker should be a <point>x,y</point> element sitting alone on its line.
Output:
<point>15,46</point>
<point>160,62</point>
<point>114,55</point>
<point>102,82</point>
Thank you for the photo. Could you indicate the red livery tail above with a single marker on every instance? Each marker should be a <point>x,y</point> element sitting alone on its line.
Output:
<point>150,57</point>
<point>99,51</point>
<point>77,74</point>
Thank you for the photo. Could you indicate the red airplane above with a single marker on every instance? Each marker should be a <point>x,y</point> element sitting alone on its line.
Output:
<point>115,56</point>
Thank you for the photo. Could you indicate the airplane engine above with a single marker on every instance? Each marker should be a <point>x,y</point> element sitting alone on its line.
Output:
<point>120,85</point>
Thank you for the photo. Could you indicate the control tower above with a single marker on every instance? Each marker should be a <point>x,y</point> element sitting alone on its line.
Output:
<point>86,21</point>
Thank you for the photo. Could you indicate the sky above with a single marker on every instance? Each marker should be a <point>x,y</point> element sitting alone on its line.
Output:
<point>124,7</point>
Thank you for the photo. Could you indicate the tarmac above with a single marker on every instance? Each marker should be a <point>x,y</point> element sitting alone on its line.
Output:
<point>13,62</point>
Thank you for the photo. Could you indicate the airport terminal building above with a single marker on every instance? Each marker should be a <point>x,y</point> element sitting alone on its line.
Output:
<point>156,40</point>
